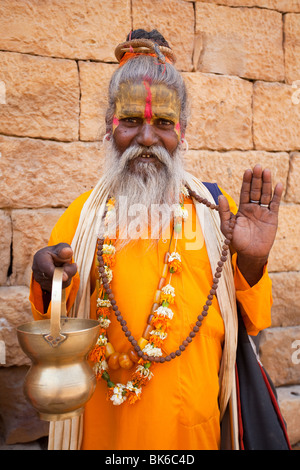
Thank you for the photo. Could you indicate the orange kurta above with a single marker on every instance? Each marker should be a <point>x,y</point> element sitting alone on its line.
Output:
<point>179,406</point>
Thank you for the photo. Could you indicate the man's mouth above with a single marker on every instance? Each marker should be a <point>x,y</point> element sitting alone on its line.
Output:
<point>147,157</point>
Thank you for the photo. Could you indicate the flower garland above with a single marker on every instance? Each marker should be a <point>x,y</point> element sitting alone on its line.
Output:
<point>160,320</point>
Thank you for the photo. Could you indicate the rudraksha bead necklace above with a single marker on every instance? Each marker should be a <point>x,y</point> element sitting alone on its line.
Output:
<point>200,317</point>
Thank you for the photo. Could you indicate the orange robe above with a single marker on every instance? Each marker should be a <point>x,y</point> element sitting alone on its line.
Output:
<point>179,406</point>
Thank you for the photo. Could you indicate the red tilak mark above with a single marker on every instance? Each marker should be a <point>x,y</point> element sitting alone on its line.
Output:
<point>148,106</point>
<point>116,121</point>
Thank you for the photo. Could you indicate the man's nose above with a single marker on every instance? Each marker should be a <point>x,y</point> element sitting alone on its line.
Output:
<point>147,135</point>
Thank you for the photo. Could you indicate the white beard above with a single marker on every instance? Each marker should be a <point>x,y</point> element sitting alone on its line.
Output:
<point>145,193</point>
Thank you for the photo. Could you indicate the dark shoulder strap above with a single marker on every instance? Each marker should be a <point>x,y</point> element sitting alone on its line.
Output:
<point>214,190</point>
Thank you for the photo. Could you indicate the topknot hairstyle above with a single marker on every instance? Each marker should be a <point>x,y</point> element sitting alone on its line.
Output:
<point>155,67</point>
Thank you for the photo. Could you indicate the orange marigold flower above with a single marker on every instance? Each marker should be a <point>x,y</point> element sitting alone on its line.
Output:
<point>175,266</point>
<point>103,311</point>
<point>161,322</point>
<point>97,354</point>
<point>156,341</point>
<point>109,260</point>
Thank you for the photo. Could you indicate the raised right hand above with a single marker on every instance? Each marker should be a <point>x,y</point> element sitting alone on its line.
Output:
<point>45,261</point>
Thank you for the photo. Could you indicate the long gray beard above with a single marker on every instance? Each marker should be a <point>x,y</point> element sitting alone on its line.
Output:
<point>145,193</point>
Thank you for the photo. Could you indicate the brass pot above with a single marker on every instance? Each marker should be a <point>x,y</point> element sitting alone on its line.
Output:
<point>60,380</point>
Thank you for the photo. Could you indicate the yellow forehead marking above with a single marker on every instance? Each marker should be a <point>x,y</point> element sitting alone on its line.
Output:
<point>147,101</point>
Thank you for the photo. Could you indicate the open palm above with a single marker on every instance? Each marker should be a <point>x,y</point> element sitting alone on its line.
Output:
<point>257,217</point>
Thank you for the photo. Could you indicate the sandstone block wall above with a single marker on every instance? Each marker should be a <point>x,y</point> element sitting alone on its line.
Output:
<point>241,63</point>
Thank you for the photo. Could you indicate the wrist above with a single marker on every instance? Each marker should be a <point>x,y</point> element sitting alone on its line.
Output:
<point>252,268</point>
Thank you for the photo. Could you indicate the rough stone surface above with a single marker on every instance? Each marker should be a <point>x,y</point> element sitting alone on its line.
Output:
<point>240,41</point>
<point>220,112</point>
<point>285,308</point>
<point>171,18</point>
<point>280,354</point>
<point>14,311</point>
<point>280,5</point>
<point>20,421</point>
<point>5,243</point>
<point>39,173</point>
<point>31,231</point>
<point>285,254</point>
<point>60,28</point>
<point>293,187</point>
<point>289,402</point>
<point>276,119</point>
<point>94,81</point>
<point>292,47</point>
<point>41,97</point>
<point>227,168</point>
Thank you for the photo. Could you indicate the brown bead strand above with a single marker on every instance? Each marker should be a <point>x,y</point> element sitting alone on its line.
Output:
<point>200,317</point>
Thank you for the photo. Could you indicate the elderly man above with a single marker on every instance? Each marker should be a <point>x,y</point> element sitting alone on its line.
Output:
<point>146,253</point>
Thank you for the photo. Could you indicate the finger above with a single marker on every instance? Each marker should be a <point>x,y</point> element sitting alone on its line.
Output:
<point>246,186</point>
<point>266,191</point>
<point>69,271</point>
<point>62,253</point>
<point>275,203</point>
<point>225,215</point>
<point>256,184</point>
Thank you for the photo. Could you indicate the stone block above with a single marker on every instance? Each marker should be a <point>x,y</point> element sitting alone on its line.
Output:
<point>78,30</point>
<point>94,82</point>
<point>14,310</point>
<point>21,422</point>
<point>280,354</point>
<point>292,47</point>
<point>276,119</point>
<point>289,402</point>
<point>227,168</point>
<point>41,173</point>
<point>220,112</point>
<point>5,243</point>
<point>246,42</point>
<point>280,5</point>
<point>285,254</point>
<point>42,97</point>
<point>286,298</point>
<point>293,187</point>
<point>174,19</point>
<point>31,232</point>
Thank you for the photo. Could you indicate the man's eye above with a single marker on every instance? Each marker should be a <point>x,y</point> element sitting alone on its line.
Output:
<point>165,123</point>
<point>131,120</point>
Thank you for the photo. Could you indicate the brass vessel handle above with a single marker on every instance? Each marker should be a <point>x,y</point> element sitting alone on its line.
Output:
<point>58,308</point>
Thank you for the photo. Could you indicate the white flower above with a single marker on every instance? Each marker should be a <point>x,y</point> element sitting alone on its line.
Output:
<point>102,340</point>
<point>130,386</point>
<point>108,273</point>
<point>118,398</point>
<point>165,311</point>
<point>103,303</point>
<point>184,190</point>
<point>169,290</point>
<point>99,367</point>
<point>108,249</point>
<point>180,212</point>
<point>173,256</point>
<point>152,351</point>
<point>144,371</point>
<point>104,322</point>
<point>110,216</point>
<point>159,333</point>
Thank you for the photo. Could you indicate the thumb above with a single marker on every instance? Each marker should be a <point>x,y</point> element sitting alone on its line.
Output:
<point>62,253</point>
<point>224,209</point>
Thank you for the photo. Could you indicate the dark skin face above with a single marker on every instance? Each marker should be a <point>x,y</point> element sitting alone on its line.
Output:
<point>146,115</point>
